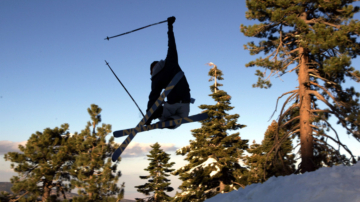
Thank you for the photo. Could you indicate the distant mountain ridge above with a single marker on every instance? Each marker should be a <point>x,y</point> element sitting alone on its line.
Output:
<point>6,186</point>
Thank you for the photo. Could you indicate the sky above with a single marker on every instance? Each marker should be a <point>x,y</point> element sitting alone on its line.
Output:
<point>52,68</point>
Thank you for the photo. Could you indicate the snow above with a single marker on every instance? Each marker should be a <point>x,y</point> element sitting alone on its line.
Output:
<point>207,163</point>
<point>339,183</point>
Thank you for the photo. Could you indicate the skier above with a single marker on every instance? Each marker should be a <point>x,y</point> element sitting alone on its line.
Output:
<point>162,72</point>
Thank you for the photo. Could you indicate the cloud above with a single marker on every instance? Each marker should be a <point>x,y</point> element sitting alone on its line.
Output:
<point>9,146</point>
<point>136,149</point>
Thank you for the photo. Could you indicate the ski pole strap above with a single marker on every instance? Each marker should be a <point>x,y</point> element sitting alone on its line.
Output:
<point>108,38</point>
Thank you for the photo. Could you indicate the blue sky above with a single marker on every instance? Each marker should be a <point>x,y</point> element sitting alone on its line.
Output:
<point>52,69</point>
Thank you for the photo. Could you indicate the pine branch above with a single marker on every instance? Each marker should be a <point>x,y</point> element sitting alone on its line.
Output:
<point>277,145</point>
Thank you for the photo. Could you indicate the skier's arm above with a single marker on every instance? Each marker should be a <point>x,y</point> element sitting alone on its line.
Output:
<point>154,94</point>
<point>172,56</point>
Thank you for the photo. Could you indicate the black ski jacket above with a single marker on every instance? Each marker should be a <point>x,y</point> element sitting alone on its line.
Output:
<point>181,91</point>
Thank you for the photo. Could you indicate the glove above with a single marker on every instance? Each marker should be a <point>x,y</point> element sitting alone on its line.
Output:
<point>171,20</point>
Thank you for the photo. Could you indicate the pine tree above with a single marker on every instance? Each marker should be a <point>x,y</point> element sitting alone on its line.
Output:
<point>7,197</point>
<point>319,37</point>
<point>95,175</point>
<point>284,165</point>
<point>43,164</point>
<point>158,183</point>
<point>214,155</point>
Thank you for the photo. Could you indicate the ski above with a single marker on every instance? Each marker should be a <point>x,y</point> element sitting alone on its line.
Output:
<point>165,124</point>
<point>149,113</point>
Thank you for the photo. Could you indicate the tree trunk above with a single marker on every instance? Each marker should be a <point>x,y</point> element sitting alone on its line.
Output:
<point>306,138</point>
<point>46,194</point>
<point>222,186</point>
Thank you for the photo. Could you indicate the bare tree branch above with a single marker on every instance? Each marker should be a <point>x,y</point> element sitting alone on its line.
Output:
<point>297,67</point>
<point>320,110</point>
<point>20,196</point>
<point>330,126</point>
<point>352,74</point>
<point>322,78</point>
<point>328,93</point>
<point>291,120</point>
<point>338,142</point>
<point>291,63</point>
<point>320,97</point>
<point>242,186</point>
<point>293,91</point>
<point>314,21</point>
<point>288,110</point>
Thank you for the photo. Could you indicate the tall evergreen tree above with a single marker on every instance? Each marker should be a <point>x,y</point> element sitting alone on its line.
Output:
<point>95,175</point>
<point>319,36</point>
<point>43,164</point>
<point>259,171</point>
<point>158,183</point>
<point>214,155</point>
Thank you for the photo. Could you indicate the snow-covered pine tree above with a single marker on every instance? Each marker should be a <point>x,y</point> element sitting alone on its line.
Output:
<point>158,169</point>
<point>95,175</point>
<point>320,37</point>
<point>284,164</point>
<point>43,164</point>
<point>214,155</point>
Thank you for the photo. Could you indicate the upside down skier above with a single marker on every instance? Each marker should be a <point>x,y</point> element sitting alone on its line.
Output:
<point>162,72</point>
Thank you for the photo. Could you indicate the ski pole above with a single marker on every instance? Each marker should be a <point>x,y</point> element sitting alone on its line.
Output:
<point>124,88</point>
<point>107,38</point>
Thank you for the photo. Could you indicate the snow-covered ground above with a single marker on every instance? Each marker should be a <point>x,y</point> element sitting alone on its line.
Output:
<point>338,183</point>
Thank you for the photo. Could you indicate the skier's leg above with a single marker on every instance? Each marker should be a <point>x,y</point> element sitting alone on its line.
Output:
<point>183,110</point>
<point>178,110</point>
<point>168,110</point>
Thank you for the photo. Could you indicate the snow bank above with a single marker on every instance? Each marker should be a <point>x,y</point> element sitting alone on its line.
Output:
<point>339,183</point>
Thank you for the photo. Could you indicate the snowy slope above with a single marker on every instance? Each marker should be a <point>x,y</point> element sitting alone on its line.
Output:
<point>338,183</point>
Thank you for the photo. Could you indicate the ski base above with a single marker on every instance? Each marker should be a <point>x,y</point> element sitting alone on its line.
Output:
<point>159,125</point>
